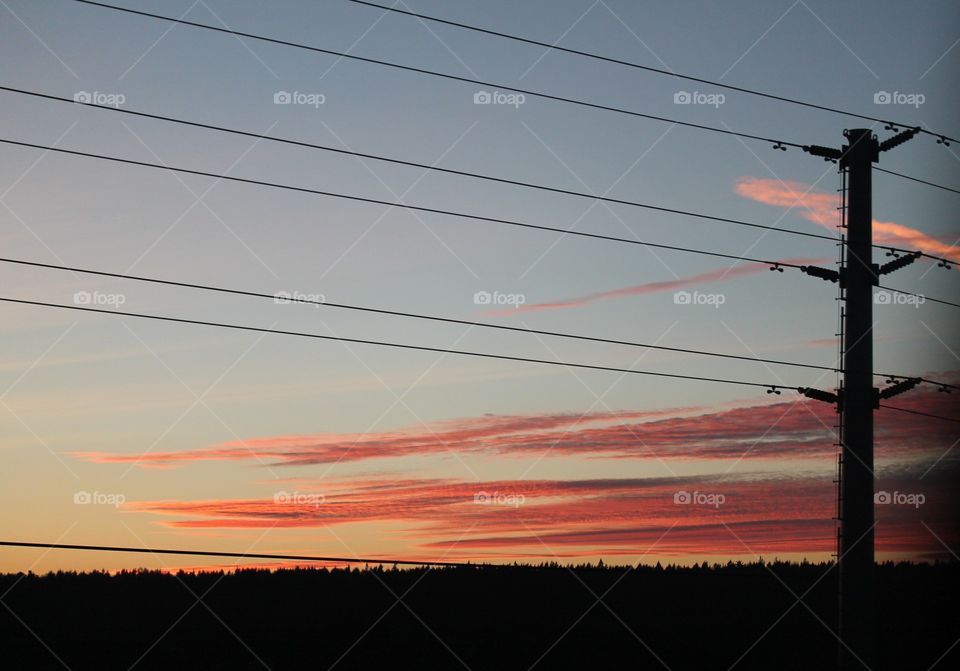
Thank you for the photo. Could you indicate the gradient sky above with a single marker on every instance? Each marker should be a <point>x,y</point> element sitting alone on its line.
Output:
<point>383,452</point>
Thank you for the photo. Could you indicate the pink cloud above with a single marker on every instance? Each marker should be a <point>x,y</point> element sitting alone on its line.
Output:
<point>711,276</point>
<point>760,513</point>
<point>815,206</point>
<point>794,428</point>
<point>821,208</point>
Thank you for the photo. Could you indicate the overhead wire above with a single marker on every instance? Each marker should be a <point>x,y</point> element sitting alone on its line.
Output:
<point>647,68</point>
<point>239,555</point>
<point>431,210</point>
<point>916,179</point>
<point>923,297</point>
<point>920,413</point>
<point>444,75</point>
<point>397,161</point>
<point>282,297</point>
<point>463,173</point>
<point>381,343</point>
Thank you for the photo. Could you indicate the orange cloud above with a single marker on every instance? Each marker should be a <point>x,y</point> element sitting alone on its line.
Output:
<point>821,208</point>
<point>795,428</point>
<point>816,206</point>
<point>758,513</point>
<point>769,513</point>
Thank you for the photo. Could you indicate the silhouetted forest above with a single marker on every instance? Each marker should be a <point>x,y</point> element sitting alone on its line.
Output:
<point>514,617</point>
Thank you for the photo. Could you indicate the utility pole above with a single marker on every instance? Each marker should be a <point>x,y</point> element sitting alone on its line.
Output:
<point>858,398</point>
<point>856,553</point>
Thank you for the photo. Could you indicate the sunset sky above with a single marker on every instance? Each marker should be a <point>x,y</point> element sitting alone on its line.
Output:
<point>121,431</point>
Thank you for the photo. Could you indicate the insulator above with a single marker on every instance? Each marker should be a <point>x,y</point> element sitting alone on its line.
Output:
<point>818,394</point>
<point>899,263</point>
<point>823,273</point>
<point>828,153</point>
<point>898,139</point>
<point>899,387</point>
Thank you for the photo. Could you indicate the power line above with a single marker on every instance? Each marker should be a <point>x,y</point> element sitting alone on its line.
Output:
<point>922,296</point>
<point>433,210</point>
<point>451,171</point>
<point>386,159</point>
<point>237,555</point>
<point>916,179</point>
<point>942,261</point>
<point>943,385</point>
<point>638,66</point>
<point>774,264</point>
<point>778,143</point>
<point>447,320</point>
<point>434,73</point>
<point>475,175</point>
<point>917,412</point>
<point>772,388</point>
<point>413,315</point>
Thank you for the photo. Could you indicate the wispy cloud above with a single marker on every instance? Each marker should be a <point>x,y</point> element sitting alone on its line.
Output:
<point>699,280</point>
<point>770,512</point>
<point>816,206</point>
<point>821,208</point>
<point>680,433</point>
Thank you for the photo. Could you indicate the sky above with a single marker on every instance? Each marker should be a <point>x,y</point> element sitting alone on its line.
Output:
<point>121,431</point>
